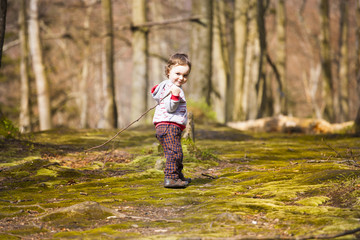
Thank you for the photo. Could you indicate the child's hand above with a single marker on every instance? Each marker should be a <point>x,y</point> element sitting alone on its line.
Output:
<point>175,90</point>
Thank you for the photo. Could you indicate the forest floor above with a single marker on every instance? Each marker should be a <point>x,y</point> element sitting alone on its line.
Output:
<point>245,186</point>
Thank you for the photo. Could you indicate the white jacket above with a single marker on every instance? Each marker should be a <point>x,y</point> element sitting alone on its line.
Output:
<point>171,108</point>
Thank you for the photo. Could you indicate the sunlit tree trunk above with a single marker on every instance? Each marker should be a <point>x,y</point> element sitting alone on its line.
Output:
<point>110,111</point>
<point>42,84</point>
<point>200,52</point>
<point>3,9</point>
<point>264,100</point>
<point>280,103</point>
<point>240,29</point>
<point>343,81</point>
<point>220,65</point>
<point>140,83</point>
<point>83,84</point>
<point>251,64</point>
<point>157,47</point>
<point>357,120</point>
<point>25,106</point>
<point>328,89</point>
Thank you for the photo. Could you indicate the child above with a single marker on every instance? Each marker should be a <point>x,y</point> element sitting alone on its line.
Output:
<point>171,116</point>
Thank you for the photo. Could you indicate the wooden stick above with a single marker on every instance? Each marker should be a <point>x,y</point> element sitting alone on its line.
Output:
<point>119,132</point>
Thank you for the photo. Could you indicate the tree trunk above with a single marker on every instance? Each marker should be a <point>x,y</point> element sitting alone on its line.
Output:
<point>3,8</point>
<point>357,120</point>
<point>110,111</point>
<point>25,104</point>
<point>139,92</point>
<point>343,80</point>
<point>328,89</point>
<point>42,84</point>
<point>251,64</point>
<point>221,72</point>
<point>241,35</point>
<point>263,97</point>
<point>83,97</point>
<point>200,52</point>
<point>280,106</point>
<point>157,47</point>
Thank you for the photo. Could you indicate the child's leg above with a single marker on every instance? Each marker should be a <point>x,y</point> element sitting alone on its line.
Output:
<point>169,137</point>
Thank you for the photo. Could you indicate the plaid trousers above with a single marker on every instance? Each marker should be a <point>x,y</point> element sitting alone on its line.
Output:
<point>169,137</point>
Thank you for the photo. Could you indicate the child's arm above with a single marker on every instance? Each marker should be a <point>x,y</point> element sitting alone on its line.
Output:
<point>173,102</point>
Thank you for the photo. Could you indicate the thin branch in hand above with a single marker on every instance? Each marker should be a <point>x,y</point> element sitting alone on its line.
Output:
<point>122,130</point>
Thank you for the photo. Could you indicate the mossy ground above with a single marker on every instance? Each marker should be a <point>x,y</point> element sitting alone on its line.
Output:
<point>244,185</point>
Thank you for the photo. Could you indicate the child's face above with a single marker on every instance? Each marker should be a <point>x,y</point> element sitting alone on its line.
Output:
<point>178,74</point>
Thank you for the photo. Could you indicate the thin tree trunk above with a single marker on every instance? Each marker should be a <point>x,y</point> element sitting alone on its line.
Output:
<point>25,104</point>
<point>157,47</point>
<point>251,64</point>
<point>357,120</point>
<point>110,111</point>
<point>343,81</point>
<point>3,9</point>
<point>200,52</point>
<point>42,84</point>
<point>328,89</point>
<point>139,92</point>
<point>220,71</point>
<point>241,35</point>
<point>261,85</point>
<point>83,97</point>
<point>280,97</point>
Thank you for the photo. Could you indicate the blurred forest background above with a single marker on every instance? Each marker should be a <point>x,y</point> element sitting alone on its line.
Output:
<point>92,63</point>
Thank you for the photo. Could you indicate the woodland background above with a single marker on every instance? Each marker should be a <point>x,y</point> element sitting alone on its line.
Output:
<point>92,63</point>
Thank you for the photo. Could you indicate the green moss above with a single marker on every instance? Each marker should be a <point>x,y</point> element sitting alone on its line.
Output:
<point>8,236</point>
<point>265,185</point>
<point>27,230</point>
<point>313,201</point>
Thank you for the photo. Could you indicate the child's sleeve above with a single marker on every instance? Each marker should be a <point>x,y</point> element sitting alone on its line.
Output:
<point>172,103</point>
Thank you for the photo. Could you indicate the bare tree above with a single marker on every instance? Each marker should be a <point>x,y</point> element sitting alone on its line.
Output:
<point>25,104</point>
<point>250,100</point>
<point>3,8</point>
<point>357,120</point>
<point>221,71</point>
<point>110,111</point>
<point>201,51</point>
<point>343,79</point>
<point>42,84</point>
<point>262,85</point>
<point>280,101</point>
<point>328,93</point>
<point>139,92</point>
<point>241,37</point>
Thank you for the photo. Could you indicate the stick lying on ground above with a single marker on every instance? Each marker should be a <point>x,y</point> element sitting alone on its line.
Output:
<point>117,134</point>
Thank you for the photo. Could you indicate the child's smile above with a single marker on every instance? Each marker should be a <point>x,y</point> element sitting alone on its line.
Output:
<point>179,74</point>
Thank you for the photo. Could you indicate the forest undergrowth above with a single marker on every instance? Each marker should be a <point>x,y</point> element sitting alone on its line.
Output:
<point>245,186</point>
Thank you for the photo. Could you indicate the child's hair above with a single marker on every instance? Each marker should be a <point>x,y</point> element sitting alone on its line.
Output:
<point>177,59</point>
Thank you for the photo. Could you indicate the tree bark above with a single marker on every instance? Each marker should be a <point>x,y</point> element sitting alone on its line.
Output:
<point>139,92</point>
<point>241,35</point>
<point>328,89</point>
<point>221,72</point>
<point>280,106</point>
<point>264,100</point>
<point>251,64</point>
<point>357,120</point>
<point>157,47</point>
<point>42,84</point>
<point>201,51</point>
<point>110,111</point>
<point>83,96</point>
<point>3,9</point>
<point>25,103</point>
<point>343,80</point>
